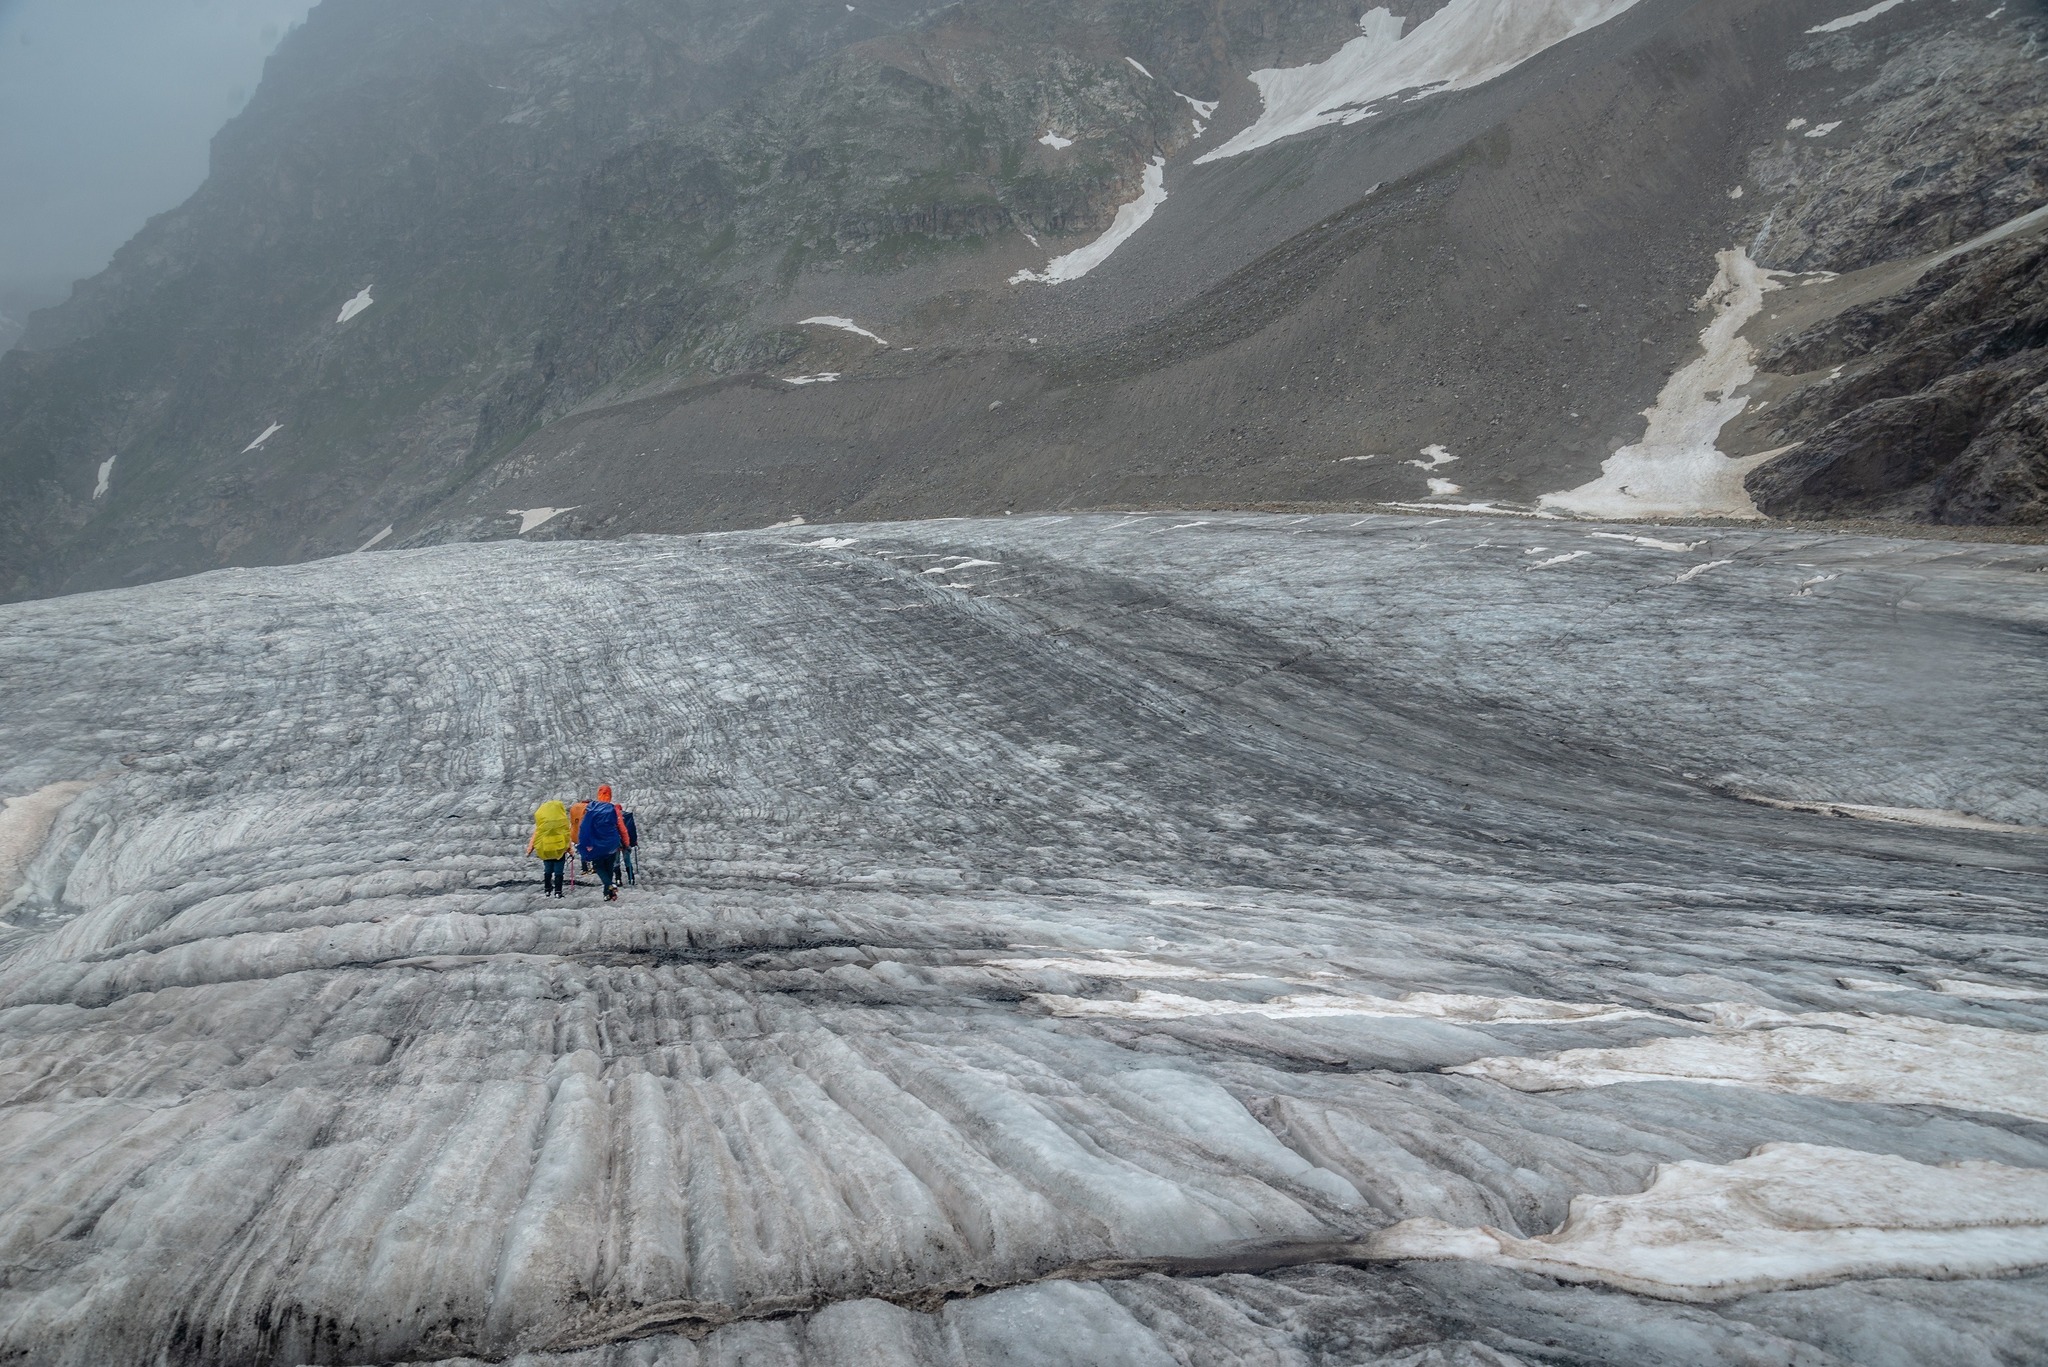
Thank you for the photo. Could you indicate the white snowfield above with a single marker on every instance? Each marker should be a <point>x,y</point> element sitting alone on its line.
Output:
<point>1678,469</point>
<point>355,305</point>
<point>1089,954</point>
<point>1788,1215</point>
<point>1129,218</point>
<point>1858,1056</point>
<point>1464,44</point>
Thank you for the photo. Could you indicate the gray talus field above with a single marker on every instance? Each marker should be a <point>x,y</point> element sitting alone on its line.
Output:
<point>1201,939</point>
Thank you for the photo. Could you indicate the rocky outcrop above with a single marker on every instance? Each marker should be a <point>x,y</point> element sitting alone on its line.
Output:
<point>1938,412</point>
<point>1924,405</point>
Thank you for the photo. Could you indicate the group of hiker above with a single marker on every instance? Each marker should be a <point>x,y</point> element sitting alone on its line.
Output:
<point>600,832</point>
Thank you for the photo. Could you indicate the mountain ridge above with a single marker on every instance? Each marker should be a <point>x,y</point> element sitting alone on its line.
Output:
<point>566,228</point>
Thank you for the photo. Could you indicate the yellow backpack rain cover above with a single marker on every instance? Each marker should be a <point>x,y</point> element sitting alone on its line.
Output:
<point>551,830</point>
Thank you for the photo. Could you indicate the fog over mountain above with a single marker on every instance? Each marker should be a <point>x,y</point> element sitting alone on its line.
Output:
<point>108,107</point>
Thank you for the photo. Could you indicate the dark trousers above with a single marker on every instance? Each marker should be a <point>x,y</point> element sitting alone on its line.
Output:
<point>626,859</point>
<point>607,866</point>
<point>551,875</point>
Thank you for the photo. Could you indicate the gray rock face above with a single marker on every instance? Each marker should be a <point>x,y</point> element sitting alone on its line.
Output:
<point>1930,409</point>
<point>1939,422</point>
<point>1065,940</point>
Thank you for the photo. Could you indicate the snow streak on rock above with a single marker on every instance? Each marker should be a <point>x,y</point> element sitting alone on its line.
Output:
<point>843,324</point>
<point>1464,44</point>
<point>99,489</point>
<point>529,518</point>
<point>265,435</point>
<point>1129,218</point>
<point>1677,470</point>
<point>1862,16</point>
<point>356,305</point>
<point>1132,904</point>
<point>1788,1215</point>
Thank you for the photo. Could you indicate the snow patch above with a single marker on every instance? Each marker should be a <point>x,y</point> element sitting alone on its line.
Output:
<point>1204,109</point>
<point>822,377</point>
<point>1129,218</point>
<point>831,543</point>
<point>1652,542</point>
<point>99,490</point>
<point>378,538</point>
<point>1124,966</point>
<point>1437,455</point>
<point>1564,559</point>
<point>25,823</point>
<point>1148,1005</point>
<point>1697,570</point>
<point>265,435</point>
<point>529,518</point>
<point>1443,488</point>
<point>1851,1056</point>
<point>1465,44</point>
<point>843,324</point>
<point>1789,1215</point>
<point>1988,992</point>
<point>1139,67</point>
<point>1821,130</point>
<point>1492,509</point>
<point>355,305</point>
<point>1862,16</point>
<point>1677,470</point>
<point>787,522</point>
<point>1055,141</point>
<point>1937,818</point>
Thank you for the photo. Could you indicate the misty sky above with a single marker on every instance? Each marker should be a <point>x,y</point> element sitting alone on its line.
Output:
<point>106,109</point>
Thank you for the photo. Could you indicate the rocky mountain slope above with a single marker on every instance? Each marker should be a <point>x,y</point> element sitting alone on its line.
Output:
<point>458,259</point>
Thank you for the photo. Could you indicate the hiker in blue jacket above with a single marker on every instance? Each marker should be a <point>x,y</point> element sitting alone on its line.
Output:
<point>600,838</point>
<point>629,856</point>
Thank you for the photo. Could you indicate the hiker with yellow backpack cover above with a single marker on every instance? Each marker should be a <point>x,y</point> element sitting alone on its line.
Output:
<point>550,842</point>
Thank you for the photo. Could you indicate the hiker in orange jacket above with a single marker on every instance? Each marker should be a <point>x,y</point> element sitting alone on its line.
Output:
<point>582,804</point>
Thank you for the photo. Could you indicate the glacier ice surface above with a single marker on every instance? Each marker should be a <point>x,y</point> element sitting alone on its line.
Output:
<point>1091,960</point>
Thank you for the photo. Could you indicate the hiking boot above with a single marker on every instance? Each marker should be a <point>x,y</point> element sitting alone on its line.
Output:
<point>611,894</point>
